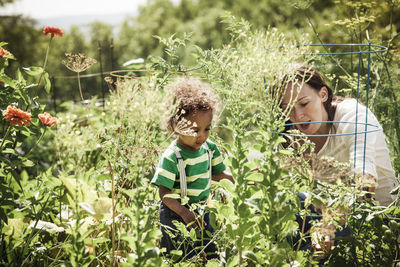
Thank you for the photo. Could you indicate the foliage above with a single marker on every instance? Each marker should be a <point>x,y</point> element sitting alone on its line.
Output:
<point>24,202</point>
<point>79,195</point>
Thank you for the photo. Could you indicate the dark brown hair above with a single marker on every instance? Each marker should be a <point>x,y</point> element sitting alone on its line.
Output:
<point>190,95</point>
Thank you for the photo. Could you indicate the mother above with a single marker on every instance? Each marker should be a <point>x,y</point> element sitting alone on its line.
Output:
<point>310,99</point>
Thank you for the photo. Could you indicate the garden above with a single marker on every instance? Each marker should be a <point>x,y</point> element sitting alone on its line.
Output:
<point>75,176</point>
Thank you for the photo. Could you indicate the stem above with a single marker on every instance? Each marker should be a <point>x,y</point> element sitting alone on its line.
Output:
<point>111,170</point>
<point>44,67</point>
<point>4,138</point>
<point>37,142</point>
<point>80,88</point>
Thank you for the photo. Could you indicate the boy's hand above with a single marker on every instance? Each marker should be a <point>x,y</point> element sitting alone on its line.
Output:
<point>192,220</point>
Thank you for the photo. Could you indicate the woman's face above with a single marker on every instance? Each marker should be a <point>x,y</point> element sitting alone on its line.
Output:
<point>308,106</point>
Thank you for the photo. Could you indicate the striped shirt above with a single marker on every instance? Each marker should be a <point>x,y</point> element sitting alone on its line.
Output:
<point>196,164</point>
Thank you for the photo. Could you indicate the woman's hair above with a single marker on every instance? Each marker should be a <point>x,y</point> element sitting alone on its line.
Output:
<point>307,74</point>
<point>190,95</point>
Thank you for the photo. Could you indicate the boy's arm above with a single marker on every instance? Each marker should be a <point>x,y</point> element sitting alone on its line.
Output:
<point>223,175</point>
<point>179,209</point>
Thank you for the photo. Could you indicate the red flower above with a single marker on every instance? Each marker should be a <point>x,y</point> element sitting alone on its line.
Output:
<point>4,53</point>
<point>14,116</point>
<point>53,31</point>
<point>47,119</point>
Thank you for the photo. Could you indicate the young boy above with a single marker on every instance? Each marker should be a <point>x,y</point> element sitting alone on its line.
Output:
<point>187,167</point>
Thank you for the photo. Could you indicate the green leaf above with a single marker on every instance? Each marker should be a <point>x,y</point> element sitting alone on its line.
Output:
<point>228,185</point>
<point>226,211</point>
<point>286,152</point>
<point>7,80</point>
<point>255,176</point>
<point>235,163</point>
<point>103,177</point>
<point>28,163</point>
<point>20,78</point>
<point>9,151</point>
<point>193,234</point>
<point>176,252</point>
<point>244,210</point>
<point>3,216</point>
<point>33,71</point>
<point>213,263</point>
<point>47,83</point>
<point>174,196</point>
<point>250,255</point>
<point>232,262</point>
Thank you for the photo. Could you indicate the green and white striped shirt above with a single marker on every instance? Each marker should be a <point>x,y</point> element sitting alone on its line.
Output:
<point>196,164</point>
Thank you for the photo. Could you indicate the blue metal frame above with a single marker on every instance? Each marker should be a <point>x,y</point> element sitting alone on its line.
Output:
<point>372,48</point>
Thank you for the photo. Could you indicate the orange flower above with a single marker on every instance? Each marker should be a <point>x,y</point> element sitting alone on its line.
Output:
<point>47,119</point>
<point>4,53</point>
<point>14,116</point>
<point>53,31</point>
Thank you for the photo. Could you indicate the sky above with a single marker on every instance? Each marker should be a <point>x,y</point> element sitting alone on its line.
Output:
<point>44,9</point>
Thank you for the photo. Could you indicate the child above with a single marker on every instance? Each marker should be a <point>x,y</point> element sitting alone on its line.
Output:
<point>187,167</point>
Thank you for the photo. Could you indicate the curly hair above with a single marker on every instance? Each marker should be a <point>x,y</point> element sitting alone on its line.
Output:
<point>190,95</point>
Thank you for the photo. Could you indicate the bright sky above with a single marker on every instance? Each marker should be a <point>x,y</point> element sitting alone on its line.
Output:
<point>39,9</point>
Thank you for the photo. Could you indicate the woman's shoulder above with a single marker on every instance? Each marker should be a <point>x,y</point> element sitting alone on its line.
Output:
<point>348,107</point>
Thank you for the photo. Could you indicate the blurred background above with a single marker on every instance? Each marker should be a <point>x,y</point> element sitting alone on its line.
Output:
<point>119,31</point>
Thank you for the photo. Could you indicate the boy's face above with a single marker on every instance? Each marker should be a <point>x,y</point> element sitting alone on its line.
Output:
<point>201,120</point>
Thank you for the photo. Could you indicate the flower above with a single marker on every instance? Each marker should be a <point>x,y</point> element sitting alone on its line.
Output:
<point>185,127</point>
<point>53,31</point>
<point>78,62</point>
<point>14,115</point>
<point>4,53</point>
<point>47,119</point>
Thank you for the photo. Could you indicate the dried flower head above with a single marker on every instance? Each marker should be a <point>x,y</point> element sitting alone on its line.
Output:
<point>47,119</point>
<point>185,127</point>
<point>110,83</point>
<point>14,115</point>
<point>53,31</point>
<point>78,62</point>
<point>322,236</point>
<point>327,169</point>
<point>109,80</point>
<point>4,52</point>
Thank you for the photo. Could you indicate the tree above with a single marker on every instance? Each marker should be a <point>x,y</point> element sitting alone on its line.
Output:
<point>24,40</point>
<point>4,2</point>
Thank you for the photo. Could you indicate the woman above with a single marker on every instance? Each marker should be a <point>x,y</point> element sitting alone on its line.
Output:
<point>310,99</point>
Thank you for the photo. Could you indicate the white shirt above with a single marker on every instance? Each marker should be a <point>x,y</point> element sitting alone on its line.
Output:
<point>345,148</point>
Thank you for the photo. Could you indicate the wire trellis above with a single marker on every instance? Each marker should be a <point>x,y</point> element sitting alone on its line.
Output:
<point>360,127</point>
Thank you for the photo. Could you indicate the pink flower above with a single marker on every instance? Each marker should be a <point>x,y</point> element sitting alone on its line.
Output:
<point>53,31</point>
<point>4,53</point>
<point>47,119</point>
<point>14,115</point>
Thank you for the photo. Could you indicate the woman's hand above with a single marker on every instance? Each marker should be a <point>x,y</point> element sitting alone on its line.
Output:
<point>369,184</point>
